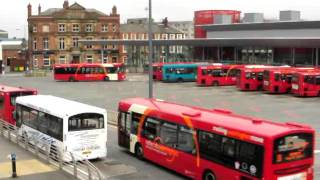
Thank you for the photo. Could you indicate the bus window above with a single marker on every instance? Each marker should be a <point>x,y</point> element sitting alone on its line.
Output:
<point>151,128</point>
<point>276,77</point>
<point>293,147</point>
<point>14,95</point>
<point>317,80</point>
<point>43,125</point>
<point>233,72</point>
<point>1,102</point>
<point>228,146</point>
<point>29,117</point>
<point>168,134</point>
<point>217,73</point>
<point>86,121</point>
<point>210,144</point>
<point>18,116</point>
<point>260,76</point>
<point>185,140</point>
<point>135,123</point>
<point>55,127</point>
<point>248,75</point>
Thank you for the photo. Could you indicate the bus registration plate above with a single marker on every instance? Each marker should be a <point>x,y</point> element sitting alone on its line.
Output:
<point>295,86</point>
<point>300,176</point>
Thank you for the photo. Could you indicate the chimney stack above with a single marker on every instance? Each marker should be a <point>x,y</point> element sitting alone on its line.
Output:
<point>39,9</point>
<point>65,4</point>
<point>29,10</point>
<point>114,10</point>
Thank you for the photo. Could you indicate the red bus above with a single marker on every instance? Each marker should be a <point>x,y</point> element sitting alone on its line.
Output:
<point>217,75</point>
<point>250,78</point>
<point>207,144</point>
<point>8,100</point>
<point>89,72</point>
<point>157,71</point>
<point>306,83</point>
<point>278,80</point>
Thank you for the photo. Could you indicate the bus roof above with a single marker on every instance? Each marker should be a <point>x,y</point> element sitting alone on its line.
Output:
<point>5,89</point>
<point>57,106</point>
<point>222,118</point>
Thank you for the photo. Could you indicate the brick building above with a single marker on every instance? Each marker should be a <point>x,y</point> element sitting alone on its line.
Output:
<point>137,56</point>
<point>13,55</point>
<point>54,35</point>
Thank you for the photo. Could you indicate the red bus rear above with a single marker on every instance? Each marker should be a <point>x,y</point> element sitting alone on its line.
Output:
<point>306,83</point>
<point>89,72</point>
<point>157,71</point>
<point>217,75</point>
<point>8,100</point>
<point>250,78</point>
<point>278,80</point>
<point>207,144</point>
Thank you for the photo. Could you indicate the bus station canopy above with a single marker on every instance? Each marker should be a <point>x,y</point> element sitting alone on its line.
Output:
<point>285,42</point>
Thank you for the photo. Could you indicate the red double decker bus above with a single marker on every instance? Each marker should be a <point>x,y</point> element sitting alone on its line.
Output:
<point>250,78</point>
<point>218,75</point>
<point>8,97</point>
<point>90,72</point>
<point>306,83</point>
<point>207,144</point>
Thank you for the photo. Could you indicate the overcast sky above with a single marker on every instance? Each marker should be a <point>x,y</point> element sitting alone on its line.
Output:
<point>13,13</point>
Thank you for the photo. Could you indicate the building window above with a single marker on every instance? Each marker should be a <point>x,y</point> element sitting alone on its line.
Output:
<point>75,28</point>
<point>89,28</point>
<point>114,28</point>
<point>172,49</point>
<point>89,59</point>
<point>61,43</point>
<point>46,61</point>
<point>89,46</point>
<point>35,62</point>
<point>104,28</point>
<point>45,43</point>
<point>34,28</point>
<point>164,36</point>
<point>34,43</point>
<point>104,46</point>
<point>62,59</point>
<point>45,28</point>
<point>125,49</point>
<point>133,36</point>
<point>172,36</point>
<point>125,36</point>
<point>179,49</point>
<point>62,28</point>
<point>179,36</point>
<point>75,43</point>
<point>105,59</point>
<point>157,36</point>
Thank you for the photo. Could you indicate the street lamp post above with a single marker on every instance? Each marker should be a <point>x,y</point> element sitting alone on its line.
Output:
<point>150,52</point>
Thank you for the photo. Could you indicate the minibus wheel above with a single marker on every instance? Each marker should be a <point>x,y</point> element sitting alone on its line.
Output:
<point>180,80</point>
<point>138,151</point>
<point>208,175</point>
<point>215,83</point>
<point>106,78</point>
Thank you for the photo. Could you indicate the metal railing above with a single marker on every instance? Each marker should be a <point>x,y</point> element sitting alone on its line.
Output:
<point>68,162</point>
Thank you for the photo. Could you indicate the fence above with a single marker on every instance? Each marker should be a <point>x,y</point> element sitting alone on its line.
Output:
<point>68,162</point>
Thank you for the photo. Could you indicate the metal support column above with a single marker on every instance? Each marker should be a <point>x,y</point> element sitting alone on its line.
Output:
<point>202,56</point>
<point>218,54</point>
<point>102,55</point>
<point>235,58</point>
<point>150,52</point>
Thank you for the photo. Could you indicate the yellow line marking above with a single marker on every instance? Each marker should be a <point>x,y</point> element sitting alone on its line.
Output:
<point>25,167</point>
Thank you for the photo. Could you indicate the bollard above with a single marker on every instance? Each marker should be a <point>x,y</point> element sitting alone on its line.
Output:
<point>14,169</point>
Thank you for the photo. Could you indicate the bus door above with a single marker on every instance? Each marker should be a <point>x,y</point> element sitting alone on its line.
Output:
<point>2,105</point>
<point>124,123</point>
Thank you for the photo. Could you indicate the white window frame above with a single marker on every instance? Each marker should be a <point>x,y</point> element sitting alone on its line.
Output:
<point>75,42</point>
<point>45,43</point>
<point>133,36</point>
<point>34,28</point>
<point>35,62</point>
<point>89,27</point>
<point>114,28</point>
<point>89,46</point>
<point>62,59</point>
<point>125,36</point>
<point>104,28</point>
<point>61,27</point>
<point>75,27</point>
<point>164,36</point>
<point>172,36</point>
<point>46,61</point>
<point>62,44</point>
<point>89,58</point>
<point>105,58</point>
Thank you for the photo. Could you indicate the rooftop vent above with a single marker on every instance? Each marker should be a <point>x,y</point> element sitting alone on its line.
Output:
<point>290,15</point>
<point>222,19</point>
<point>253,18</point>
<point>225,111</point>
<point>191,113</point>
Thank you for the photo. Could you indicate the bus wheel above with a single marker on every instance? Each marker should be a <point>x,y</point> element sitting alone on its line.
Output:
<point>138,151</point>
<point>180,80</point>
<point>215,83</point>
<point>71,79</point>
<point>208,175</point>
<point>106,78</point>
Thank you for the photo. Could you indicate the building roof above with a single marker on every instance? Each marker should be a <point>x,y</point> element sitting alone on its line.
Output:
<point>58,106</point>
<point>12,47</point>
<point>75,11</point>
<point>263,26</point>
<point>143,28</point>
